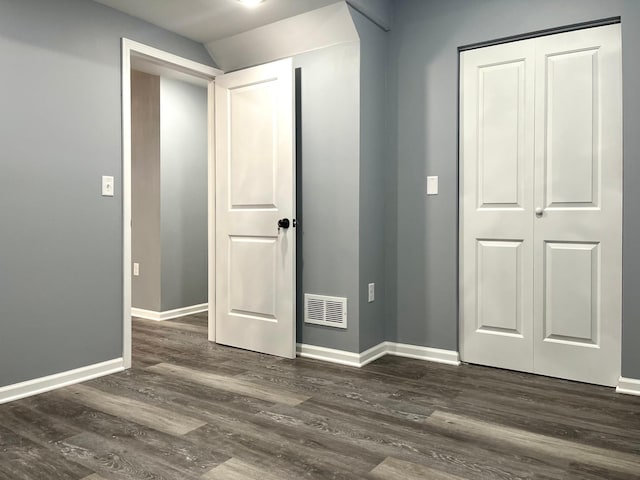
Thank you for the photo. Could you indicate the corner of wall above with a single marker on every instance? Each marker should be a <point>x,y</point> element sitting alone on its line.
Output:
<point>372,177</point>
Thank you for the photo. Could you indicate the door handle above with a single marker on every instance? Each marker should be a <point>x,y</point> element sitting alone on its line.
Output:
<point>539,211</point>
<point>283,223</point>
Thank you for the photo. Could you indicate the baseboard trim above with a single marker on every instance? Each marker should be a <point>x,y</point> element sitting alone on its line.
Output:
<point>358,360</point>
<point>450,357</point>
<point>628,386</point>
<point>373,353</point>
<point>341,357</point>
<point>58,380</point>
<point>169,314</point>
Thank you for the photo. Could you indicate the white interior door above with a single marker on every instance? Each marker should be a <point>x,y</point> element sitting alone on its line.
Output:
<point>255,179</point>
<point>541,220</point>
<point>578,230</point>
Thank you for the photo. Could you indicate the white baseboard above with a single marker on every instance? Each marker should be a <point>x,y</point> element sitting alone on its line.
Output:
<point>450,357</point>
<point>58,380</point>
<point>328,355</point>
<point>629,386</point>
<point>385,348</point>
<point>169,314</point>
<point>373,353</point>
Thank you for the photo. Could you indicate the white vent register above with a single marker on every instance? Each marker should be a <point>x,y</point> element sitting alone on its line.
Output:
<point>327,311</point>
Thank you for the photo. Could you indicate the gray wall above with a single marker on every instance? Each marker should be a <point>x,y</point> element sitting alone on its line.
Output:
<point>374,166</point>
<point>145,189</point>
<point>328,188</point>
<point>183,198</point>
<point>60,131</point>
<point>169,192</point>
<point>424,89</point>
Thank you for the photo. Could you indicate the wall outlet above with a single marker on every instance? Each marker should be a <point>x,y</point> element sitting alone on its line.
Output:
<point>136,269</point>
<point>372,292</point>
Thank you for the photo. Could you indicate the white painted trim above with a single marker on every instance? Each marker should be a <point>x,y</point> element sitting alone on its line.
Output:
<point>629,386</point>
<point>175,62</point>
<point>438,355</point>
<point>59,380</point>
<point>358,360</point>
<point>328,355</point>
<point>169,314</point>
<point>211,210</point>
<point>131,49</point>
<point>374,353</point>
<point>126,201</point>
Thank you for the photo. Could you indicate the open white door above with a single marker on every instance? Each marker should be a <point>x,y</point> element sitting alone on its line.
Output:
<point>255,193</point>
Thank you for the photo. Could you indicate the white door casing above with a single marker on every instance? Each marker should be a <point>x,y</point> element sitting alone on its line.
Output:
<point>541,206</point>
<point>255,187</point>
<point>161,63</point>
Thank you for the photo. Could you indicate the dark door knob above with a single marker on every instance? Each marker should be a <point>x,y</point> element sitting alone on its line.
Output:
<point>283,223</point>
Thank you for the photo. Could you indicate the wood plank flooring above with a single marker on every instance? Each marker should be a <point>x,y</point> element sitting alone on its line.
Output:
<point>189,409</point>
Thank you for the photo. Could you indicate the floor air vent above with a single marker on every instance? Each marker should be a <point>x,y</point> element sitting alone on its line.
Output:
<point>328,311</point>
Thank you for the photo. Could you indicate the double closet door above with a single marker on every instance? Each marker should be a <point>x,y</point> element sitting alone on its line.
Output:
<point>541,205</point>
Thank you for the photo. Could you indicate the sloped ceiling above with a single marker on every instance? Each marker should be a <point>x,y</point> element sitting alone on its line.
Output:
<point>331,25</point>
<point>207,20</point>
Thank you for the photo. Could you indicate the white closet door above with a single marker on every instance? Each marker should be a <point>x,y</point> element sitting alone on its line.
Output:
<point>578,232</point>
<point>255,260</point>
<point>497,107</point>
<point>541,219</point>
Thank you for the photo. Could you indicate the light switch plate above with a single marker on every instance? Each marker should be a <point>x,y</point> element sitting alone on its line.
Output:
<point>372,292</point>
<point>432,185</point>
<point>107,186</point>
<point>136,269</point>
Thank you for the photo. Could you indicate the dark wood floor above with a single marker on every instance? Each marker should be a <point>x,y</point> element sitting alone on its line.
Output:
<point>192,410</point>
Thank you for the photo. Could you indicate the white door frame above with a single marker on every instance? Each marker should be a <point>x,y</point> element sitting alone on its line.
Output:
<point>132,50</point>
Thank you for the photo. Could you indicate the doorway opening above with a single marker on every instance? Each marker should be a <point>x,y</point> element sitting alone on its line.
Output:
<point>151,61</point>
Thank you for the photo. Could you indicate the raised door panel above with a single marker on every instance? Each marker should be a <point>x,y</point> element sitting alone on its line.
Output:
<point>501,132</point>
<point>253,278</point>
<point>572,160</point>
<point>571,293</point>
<point>499,287</point>
<point>252,145</point>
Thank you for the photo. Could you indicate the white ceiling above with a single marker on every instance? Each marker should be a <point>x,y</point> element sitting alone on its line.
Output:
<point>208,20</point>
